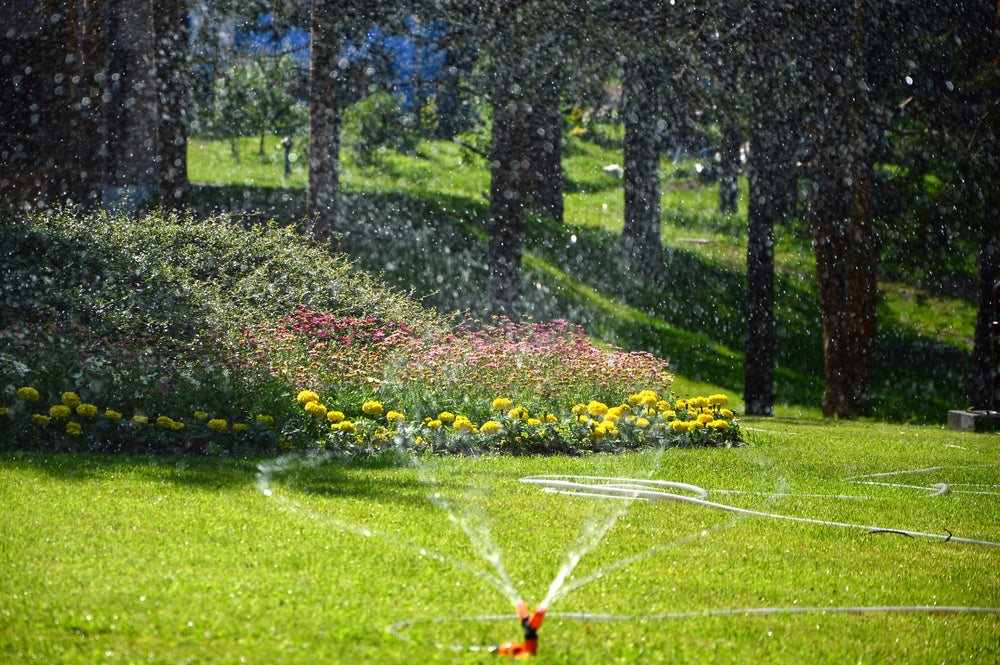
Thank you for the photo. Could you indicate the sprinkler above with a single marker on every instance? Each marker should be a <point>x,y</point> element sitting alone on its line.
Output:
<point>531,622</point>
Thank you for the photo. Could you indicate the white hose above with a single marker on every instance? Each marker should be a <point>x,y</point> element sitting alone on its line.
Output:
<point>628,488</point>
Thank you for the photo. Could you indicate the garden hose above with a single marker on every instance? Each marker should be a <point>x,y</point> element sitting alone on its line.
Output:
<point>655,490</point>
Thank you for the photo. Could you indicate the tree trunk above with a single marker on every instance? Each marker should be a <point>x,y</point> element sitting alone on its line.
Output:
<point>729,169</point>
<point>508,183</point>
<point>839,210</point>
<point>324,120</point>
<point>771,199</point>
<point>170,34</point>
<point>545,196</point>
<point>642,247</point>
<point>985,391</point>
<point>846,252</point>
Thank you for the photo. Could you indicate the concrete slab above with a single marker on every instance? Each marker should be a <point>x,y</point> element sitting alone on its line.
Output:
<point>974,421</point>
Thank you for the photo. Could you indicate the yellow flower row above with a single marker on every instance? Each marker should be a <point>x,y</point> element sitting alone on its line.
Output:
<point>72,404</point>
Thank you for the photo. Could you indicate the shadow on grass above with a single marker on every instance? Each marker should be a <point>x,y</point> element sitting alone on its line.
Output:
<point>434,247</point>
<point>335,478</point>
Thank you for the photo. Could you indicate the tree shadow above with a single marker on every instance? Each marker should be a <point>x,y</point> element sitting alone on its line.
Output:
<point>335,478</point>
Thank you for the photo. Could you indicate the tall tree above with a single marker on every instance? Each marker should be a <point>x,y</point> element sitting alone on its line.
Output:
<point>772,188</point>
<point>324,117</point>
<point>642,247</point>
<point>170,27</point>
<point>839,207</point>
<point>985,136</point>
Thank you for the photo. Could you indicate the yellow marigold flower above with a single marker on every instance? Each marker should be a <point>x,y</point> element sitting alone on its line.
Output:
<point>681,405</point>
<point>726,414</point>
<point>596,408</point>
<point>634,399</point>
<point>642,423</point>
<point>678,426</point>
<point>446,416</point>
<point>176,425</point>
<point>534,422</point>
<point>583,418</point>
<point>490,427</point>
<point>217,424</point>
<point>698,402</point>
<point>28,394</point>
<point>165,422</point>
<point>112,415</point>
<point>60,411</point>
<point>335,416</point>
<point>395,417</point>
<point>434,424</point>
<point>86,410</point>
<point>73,428</point>
<point>501,404</point>
<point>705,418</point>
<point>201,415</point>
<point>648,398</point>
<point>718,400</point>
<point>372,408</point>
<point>140,420</point>
<point>663,405</point>
<point>40,420</point>
<point>614,414</point>
<point>240,427</point>
<point>306,396</point>
<point>345,426</point>
<point>551,418</point>
<point>579,409</point>
<point>4,411</point>
<point>267,420</point>
<point>719,424</point>
<point>463,424</point>
<point>72,400</point>
<point>316,410</point>
<point>598,431</point>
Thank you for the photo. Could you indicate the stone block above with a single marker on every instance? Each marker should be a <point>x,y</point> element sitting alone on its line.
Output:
<point>974,421</point>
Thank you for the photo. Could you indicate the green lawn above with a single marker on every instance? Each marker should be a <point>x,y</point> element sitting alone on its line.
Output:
<point>169,560</point>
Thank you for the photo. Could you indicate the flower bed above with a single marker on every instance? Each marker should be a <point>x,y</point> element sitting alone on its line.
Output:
<point>361,386</point>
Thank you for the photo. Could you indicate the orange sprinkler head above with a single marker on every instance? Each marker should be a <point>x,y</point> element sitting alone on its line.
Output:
<point>531,622</point>
<point>535,620</point>
<point>522,611</point>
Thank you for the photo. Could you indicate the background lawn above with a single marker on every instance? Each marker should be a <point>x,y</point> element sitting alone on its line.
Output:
<point>109,559</point>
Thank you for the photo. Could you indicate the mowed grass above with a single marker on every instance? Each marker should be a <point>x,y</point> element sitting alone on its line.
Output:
<point>418,221</point>
<point>172,560</point>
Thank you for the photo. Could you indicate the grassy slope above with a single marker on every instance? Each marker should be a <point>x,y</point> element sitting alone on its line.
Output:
<point>419,221</point>
<point>185,560</point>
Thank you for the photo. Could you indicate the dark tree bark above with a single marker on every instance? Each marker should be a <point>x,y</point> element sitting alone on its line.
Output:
<point>729,169</point>
<point>170,34</point>
<point>771,200</point>
<point>642,248</point>
<point>324,120</point>
<point>510,177</point>
<point>545,194</point>
<point>985,390</point>
<point>839,210</point>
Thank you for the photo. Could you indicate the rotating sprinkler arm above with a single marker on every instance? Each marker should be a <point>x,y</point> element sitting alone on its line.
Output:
<point>531,621</point>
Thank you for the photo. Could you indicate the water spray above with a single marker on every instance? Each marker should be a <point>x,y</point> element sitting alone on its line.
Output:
<point>531,621</point>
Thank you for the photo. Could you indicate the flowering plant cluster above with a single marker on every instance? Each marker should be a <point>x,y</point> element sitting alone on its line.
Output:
<point>539,364</point>
<point>384,384</point>
<point>313,349</point>
<point>72,424</point>
<point>644,419</point>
